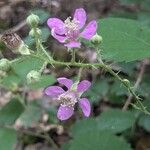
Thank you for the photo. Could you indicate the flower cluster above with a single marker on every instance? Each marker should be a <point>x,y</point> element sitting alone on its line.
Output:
<point>69,98</point>
<point>69,31</point>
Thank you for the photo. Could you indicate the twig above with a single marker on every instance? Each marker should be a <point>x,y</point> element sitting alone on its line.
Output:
<point>137,83</point>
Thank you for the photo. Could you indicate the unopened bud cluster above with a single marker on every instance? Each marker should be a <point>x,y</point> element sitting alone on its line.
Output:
<point>33,76</point>
<point>33,20</point>
<point>126,82</point>
<point>5,64</point>
<point>96,39</point>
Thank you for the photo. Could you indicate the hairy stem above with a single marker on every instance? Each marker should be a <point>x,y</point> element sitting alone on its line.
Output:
<point>73,53</point>
<point>97,65</point>
<point>139,78</point>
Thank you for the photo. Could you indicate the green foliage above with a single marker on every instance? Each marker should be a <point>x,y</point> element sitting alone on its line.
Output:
<point>124,39</point>
<point>30,116</point>
<point>83,126</point>
<point>144,18</point>
<point>128,2</point>
<point>10,112</point>
<point>10,81</point>
<point>44,82</point>
<point>116,121</point>
<point>19,70</point>
<point>98,140</point>
<point>144,120</point>
<point>98,90</point>
<point>8,139</point>
<point>24,65</point>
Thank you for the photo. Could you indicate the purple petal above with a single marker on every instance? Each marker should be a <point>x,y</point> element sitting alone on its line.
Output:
<point>67,82</point>
<point>83,86</point>
<point>90,30</point>
<point>60,38</point>
<point>73,44</point>
<point>85,106</point>
<point>65,112</point>
<point>53,91</point>
<point>57,24</point>
<point>80,16</point>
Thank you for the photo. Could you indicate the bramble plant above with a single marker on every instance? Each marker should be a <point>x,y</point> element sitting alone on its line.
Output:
<point>72,33</point>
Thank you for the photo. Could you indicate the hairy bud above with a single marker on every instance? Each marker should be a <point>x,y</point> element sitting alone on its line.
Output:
<point>33,76</point>
<point>127,82</point>
<point>33,33</point>
<point>96,39</point>
<point>4,64</point>
<point>33,20</point>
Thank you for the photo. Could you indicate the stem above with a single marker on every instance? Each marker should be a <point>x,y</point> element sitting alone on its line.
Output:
<point>39,45</point>
<point>79,74</point>
<point>105,67</point>
<point>99,58</point>
<point>73,53</point>
<point>45,52</point>
<point>139,78</point>
<point>37,41</point>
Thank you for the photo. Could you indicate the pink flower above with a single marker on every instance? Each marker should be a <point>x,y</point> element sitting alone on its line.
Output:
<point>69,98</point>
<point>69,31</point>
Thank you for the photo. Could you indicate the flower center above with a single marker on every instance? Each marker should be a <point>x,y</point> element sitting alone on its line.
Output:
<point>72,28</point>
<point>68,99</point>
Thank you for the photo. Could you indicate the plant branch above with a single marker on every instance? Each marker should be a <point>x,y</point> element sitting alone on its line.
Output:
<point>103,66</point>
<point>138,81</point>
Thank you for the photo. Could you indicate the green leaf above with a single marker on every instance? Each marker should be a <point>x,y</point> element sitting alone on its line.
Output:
<point>118,89</point>
<point>115,120</point>
<point>10,81</point>
<point>129,2</point>
<point>45,81</point>
<point>45,34</point>
<point>83,126</point>
<point>98,90</point>
<point>30,116</point>
<point>10,112</point>
<point>8,139</point>
<point>124,39</point>
<point>24,65</point>
<point>144,122</point>
<point>144,18</point>
<point>122,14</point>
<point>98,140</point>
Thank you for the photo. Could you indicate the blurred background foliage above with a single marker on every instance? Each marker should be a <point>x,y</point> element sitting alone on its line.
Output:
<point>24,110</point>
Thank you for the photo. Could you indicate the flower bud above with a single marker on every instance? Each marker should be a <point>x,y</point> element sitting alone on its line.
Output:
<point>126,82</point>
<point>33,34</point>
<point>4,64</point>
<point>33,20</point>
<point>33,76</point>
<point>96,39</point>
